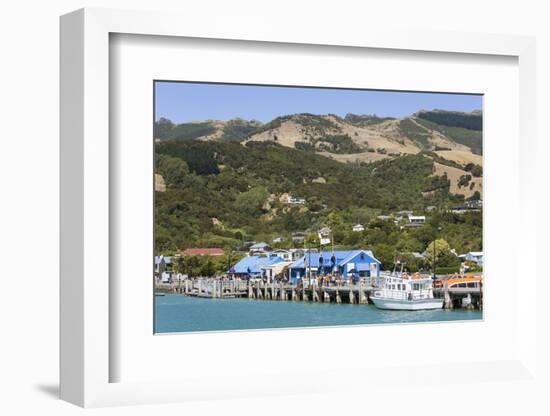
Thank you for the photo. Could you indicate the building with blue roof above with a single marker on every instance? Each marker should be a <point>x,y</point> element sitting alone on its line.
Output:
<point>251,266</point>
<point>345,263</point>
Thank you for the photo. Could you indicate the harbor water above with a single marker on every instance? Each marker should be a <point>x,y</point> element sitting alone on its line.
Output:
<point>177,313</point>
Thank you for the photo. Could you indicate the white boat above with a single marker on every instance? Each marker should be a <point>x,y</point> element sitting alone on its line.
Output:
<point>406,293</point>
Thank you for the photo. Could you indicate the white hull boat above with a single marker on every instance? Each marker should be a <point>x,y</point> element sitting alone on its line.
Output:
<point>407,305</point>
<point>406,293</point>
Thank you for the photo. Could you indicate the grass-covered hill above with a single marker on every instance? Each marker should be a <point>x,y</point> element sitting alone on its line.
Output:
<point>454,137</point>
<point>221,193</point>
<point>354,137</point>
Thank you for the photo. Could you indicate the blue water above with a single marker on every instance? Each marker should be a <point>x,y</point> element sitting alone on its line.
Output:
<point>177,313</point>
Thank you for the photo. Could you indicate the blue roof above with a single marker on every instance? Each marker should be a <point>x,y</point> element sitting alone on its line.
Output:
<point>254,264</point>
<point>342,257</point>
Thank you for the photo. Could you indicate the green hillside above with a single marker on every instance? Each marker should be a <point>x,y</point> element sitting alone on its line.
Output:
<point>220,194</point>
<point>166,130</point>
<point>470,121</point>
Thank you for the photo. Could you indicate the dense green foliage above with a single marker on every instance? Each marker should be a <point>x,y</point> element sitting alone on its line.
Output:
<point>164,129</point>
<point>338,143</point>
<point>470,138</point>
<point>238,130</point>
<point>470,121</point>
<point>416,133</point>
<point>305,146</point>
<point>220,194</point>
<point>476,170</point>
<point>365,120</point>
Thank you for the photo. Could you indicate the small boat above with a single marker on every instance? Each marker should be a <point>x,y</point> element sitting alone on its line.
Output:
<point>464,282</point>
<point>406,293</point>
<point>160,294</point>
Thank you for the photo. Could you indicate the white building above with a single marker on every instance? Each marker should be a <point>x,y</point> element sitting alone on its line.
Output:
<point>325,232</point>
<point>295,200</point>
<point>475,256</point>
<point>259,248</point>
<point>283,254</point>
<point>417,219</point>
<point>358,228</point>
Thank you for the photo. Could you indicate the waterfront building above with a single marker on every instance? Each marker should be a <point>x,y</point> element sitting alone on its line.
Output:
<point>251,266</point>
<point>284,254</point>
<point>274,270</point>
<point>345,263</point>
<point>162,263</point>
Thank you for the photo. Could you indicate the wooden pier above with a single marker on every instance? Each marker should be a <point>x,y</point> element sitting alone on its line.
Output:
<point>469,298</point>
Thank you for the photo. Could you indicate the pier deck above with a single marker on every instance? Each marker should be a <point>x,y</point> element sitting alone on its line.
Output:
<point>344,293</point>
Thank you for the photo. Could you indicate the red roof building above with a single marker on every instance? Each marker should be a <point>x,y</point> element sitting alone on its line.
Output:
<point>203,252</point>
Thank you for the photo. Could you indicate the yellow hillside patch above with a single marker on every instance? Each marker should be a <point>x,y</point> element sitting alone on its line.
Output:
<point>354,157</point>
<point>462,157</point>
<point>160,185</point>
<point>454,175</point>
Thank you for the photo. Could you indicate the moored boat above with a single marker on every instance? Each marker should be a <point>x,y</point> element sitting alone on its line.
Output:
<point>406,293</point>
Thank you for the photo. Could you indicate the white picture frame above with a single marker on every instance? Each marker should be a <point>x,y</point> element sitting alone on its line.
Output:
<point>86,305</point>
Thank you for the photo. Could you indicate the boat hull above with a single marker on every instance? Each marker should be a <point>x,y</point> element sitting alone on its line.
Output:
<point>407,305</point>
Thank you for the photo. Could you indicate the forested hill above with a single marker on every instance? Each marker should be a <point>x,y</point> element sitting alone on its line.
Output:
<point>219,194</point>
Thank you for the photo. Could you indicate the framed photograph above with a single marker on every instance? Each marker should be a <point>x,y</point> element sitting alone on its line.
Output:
<point>311,210</point>
<point>323,196</point>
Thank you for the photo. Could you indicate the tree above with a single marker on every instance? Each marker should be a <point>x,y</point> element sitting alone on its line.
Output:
<point>464,180</point>
<point>172,169</point>
<point>180,264</point>
<point>312,240</point>
<point>208,269</point>
<point>441,250</point>
<point>476,196</point>
<point>386,254</point>
<point>252,201</point>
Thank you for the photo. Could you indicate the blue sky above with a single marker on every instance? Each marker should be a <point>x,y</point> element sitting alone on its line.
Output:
<point>182,102</point>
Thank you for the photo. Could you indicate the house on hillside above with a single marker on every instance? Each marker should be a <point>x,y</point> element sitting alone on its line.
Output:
<point>357,228</point>
<point>417,219</point>
<point>251,266</point>
<point>259,248</point>
<point>468,206</point>
<point>295,200</point>
<point>203,252</point>
<point>325,232</point>
<point>475,256</point>
<point>298,236</point>
<point>345,263</point>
